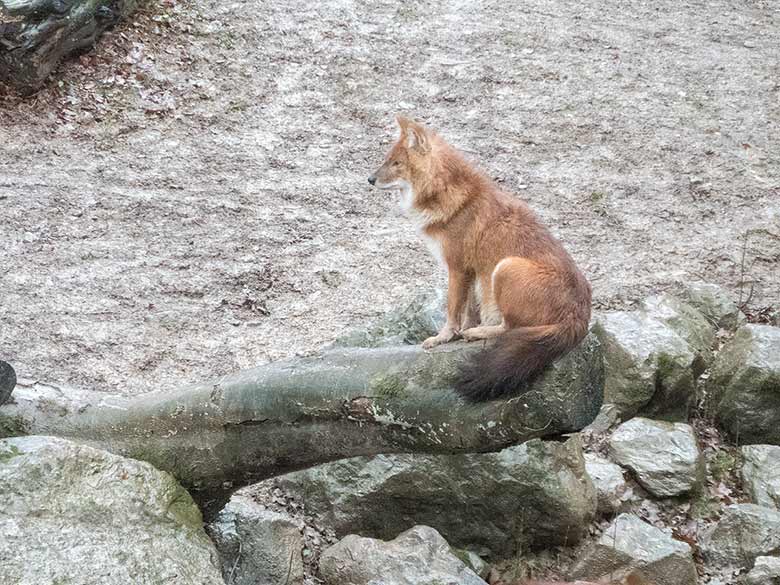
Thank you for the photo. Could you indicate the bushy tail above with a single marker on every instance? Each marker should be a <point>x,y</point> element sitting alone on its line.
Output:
<point>517,357</point>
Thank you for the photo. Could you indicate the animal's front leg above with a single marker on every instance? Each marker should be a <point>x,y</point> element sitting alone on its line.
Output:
<point>471,314</point>
<point>457,295</point>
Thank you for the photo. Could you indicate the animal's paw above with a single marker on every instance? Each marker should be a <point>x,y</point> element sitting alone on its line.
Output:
<point>443,337</point>
<point>432,342</point>
<point>472,334</point>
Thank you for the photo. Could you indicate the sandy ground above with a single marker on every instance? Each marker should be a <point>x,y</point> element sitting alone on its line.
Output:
<point>191,197</point>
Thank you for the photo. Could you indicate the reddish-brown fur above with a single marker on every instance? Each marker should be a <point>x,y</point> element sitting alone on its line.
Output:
<point>538,298</point>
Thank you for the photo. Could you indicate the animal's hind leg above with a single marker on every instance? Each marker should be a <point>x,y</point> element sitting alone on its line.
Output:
<point>492,324</point>
<point>526,292</point>
<point>483,332</point>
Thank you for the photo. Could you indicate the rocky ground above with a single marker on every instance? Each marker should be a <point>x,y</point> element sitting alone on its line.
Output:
<point>660,489</point>
<point>190,198</point>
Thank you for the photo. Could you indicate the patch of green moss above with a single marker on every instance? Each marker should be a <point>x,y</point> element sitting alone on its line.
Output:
<point>462,555</point>
<point>666,366</point>
<point>11,452</point>
<point>705,506</point>
<point>722,464</point>
<point>183,508</point>
<point>12,426</point>
<point>438,372</point>
<point>388,385</point>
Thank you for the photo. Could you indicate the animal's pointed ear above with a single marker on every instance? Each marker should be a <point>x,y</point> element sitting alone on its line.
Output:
<point>403,123</point>
<point>418,137</point>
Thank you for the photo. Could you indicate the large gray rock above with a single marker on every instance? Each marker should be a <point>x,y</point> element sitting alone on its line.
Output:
<point>743,390</point>
<point>631,545</point>
<point>765,571</point>
<point>685,320</point>
<point>744,532</point>
<point>536,493</point>
<point>664,457</point>
<point>73,514</point>
<point>409,324</point>
<point>419,556</point>
<point>715,303</point>
<point>258,545</point>
<point>761,474</point>
<point>36,35</point>
<point>609,483</point>
<point>653,356</point>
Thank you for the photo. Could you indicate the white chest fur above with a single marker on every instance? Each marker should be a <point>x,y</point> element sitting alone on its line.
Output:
<point>421,219</point>
<point>434,247</point>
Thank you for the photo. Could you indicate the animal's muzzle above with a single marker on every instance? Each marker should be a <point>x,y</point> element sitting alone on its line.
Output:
<point>372,180</point>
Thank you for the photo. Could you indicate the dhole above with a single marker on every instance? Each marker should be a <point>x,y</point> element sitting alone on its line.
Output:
<point>508,276</point>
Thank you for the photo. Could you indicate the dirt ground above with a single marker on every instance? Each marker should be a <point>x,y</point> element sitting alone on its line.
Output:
<point>190,198</point>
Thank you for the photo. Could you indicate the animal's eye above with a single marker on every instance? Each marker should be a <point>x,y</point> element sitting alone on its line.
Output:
<point>396,163</point>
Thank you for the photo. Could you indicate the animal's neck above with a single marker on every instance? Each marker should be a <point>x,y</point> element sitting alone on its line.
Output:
<point>450,185</point>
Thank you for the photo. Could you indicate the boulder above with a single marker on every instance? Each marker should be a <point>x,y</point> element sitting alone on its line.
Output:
<point>609,483</point>
<point>536,493</point>
<point>716,304</point>
<point>74,514</point>
<point>664,457</point>
<point>761,474</point>
<point>685,320</point>
<point>765,571</point>
<point>257,545</point>
<point>744,532</point>
<point>419,556</point>
<point>408,325</point>
<point>631,545</point>
<point>743,390</point>
<point>36,35</point>
<point>653,356</point>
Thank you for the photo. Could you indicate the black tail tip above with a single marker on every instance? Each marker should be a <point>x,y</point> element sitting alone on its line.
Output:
<point>474,384</point>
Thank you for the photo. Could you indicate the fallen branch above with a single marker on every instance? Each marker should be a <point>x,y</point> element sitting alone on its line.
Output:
<point>216,437</point>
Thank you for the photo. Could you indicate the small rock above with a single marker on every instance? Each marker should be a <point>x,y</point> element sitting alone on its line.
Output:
<point>744,532</point>
<point>257,545</point>
<point>609,483</point>
<point>473,561</point>
<point>743,389</point>
<point>765,571</point>
<point>715,304</point>
<point>332,278</point>
<point>761,474</point>
<point>608,416</point>
<point>631,544</point>
<point>664,457</point>
<point>419,556</point>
